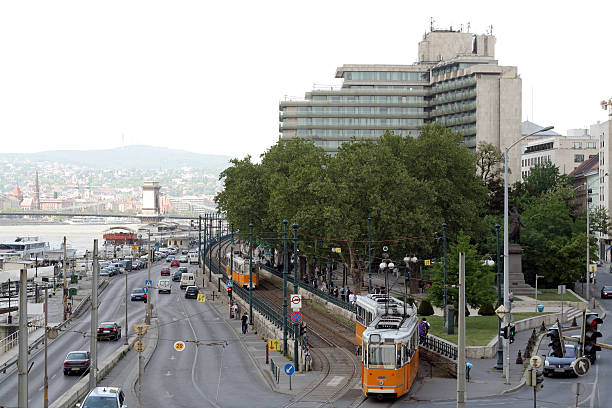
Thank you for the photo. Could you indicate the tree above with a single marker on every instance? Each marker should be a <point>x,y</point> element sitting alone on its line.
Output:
<point>489,163</point>
<point>479,278</point>
<point>599,220</point>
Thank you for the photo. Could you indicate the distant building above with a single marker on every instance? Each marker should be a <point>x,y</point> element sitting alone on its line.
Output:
<point>565,152</point>
<point>456,82</point>
<point>603,131</point>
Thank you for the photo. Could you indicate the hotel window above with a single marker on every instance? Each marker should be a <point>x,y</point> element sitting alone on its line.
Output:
<point>577,145</point>
<point>578,158</point>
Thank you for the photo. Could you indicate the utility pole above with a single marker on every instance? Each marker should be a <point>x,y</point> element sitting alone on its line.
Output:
<point>296,286</point>
<point>251,273</point>
<point>65,284</point>
<point>219,247</point>
<point>200,269</point>
<point>46,378</point>
<point>149,262</point>
<point>285,287</point>
<point>22,363</point>
<point>445,293</point>
<point>588,256</point>
<point>461,335</point>
<point>369,256</point>
<point>93,341</point>
<point>500,347</point>
<point>125,341</point>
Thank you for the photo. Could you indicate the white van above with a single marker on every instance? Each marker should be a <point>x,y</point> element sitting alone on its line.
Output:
<point>193,258</point>
<point>163,286</point>
<point>187,279</point>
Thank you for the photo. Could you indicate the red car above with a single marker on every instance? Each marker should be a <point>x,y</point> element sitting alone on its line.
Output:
<point>174,263</point>
<point>165,272</point>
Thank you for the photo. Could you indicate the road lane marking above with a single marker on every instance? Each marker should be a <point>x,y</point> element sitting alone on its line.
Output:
<point>335,381</point>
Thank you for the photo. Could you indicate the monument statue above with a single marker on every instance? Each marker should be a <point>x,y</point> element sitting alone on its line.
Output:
<point>515,226</point>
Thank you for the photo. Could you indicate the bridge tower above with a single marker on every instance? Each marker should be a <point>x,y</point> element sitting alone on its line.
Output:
<point>150,202</point>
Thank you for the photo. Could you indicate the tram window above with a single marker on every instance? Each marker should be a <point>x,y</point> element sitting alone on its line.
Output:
<point>399,358</point>
<point>381,355</point>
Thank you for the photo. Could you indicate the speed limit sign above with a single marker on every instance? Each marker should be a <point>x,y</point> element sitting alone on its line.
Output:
<point>179,346</point>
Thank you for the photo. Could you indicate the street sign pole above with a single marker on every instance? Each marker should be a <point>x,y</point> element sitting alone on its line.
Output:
<point>296,286</point>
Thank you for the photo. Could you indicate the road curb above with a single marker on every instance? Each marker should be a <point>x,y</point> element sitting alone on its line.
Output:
<point>133,377</point>
<point>525,372</point>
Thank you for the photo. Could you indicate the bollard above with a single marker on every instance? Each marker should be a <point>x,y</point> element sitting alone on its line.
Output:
<point>267,353</point>
<point>574,322</point>
<point>519,359</point>
<point>533,334</point>
<point>542,327</point>
<point>527,351</point>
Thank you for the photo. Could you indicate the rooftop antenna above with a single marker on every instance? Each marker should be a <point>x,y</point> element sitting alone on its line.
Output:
<point>491,29</point>
<point>460,28</point>
<point>431,28</point>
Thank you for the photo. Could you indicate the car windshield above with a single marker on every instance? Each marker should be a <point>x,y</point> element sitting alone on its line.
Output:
<point>76,356</point>
<point>137,291</point>
<point>100,402</point>
<point>607,288</point>
<point>570,352</point>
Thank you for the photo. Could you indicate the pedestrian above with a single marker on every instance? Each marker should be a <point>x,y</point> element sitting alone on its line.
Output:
<point>422,334</point>
<point>348,294</point>
<point>236,311</point>
<point>245,322</point>
<point>343,294</point>
<point>336,292</point>
<point>352,298</point>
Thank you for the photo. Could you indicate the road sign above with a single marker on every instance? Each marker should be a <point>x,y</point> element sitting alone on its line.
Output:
<point>134,248</point>
<point>179,346</point>
<point>145,289</point>
<point>201,297</point>
<point>296,302</point>
<point>581,365</point>
<point>428,262</point>
<point>296,317</point>
<point>385,249</point>
<point>337,250</point>
<point>501,311</point>
<point>592,268</point>
<point>229,283</point>
<point>148,283</point>
<point>139,346</point>
<point>535,361</point>
<point>561,290</point>
<point>274,344</point>
<point>289,369</point>
<point>140,329</point>
<point>578,388</point>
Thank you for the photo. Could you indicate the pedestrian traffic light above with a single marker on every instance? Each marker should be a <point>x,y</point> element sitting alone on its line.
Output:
<point>539,380</point>
<point>229,292</point>
<point>511,333</point>
<point>591,333</point>
<point>504,332</point>
<point>555,343</point>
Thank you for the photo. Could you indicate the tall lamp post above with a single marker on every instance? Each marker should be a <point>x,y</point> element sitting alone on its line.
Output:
<point>507,252</point>
<point>500,347</point>
<point>251,273</point>
<point>445,291</point>
<point>369,255</point>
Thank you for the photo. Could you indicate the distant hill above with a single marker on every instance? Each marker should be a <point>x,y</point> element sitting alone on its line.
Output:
<point>128,157</point>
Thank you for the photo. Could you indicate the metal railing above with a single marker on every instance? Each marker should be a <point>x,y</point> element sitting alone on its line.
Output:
<point>439,346</point>
<point>275,370</point>
<point>12,339</point>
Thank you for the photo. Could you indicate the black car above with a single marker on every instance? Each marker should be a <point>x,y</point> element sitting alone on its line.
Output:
<point>606,292</point>
<point>77,362</point>
<point>561,365</point>
<point>138,294</point>
<point>191,292</point>
<point>109,330</point>
<point>176,276</point>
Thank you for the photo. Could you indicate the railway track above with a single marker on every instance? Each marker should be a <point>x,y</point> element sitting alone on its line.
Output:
<point>332,349</point>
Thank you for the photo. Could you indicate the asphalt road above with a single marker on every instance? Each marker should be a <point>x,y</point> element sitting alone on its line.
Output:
<point>215,373</point>
<point>112,308</point>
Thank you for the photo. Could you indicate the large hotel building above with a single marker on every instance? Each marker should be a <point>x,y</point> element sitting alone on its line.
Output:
<point>456,82</point>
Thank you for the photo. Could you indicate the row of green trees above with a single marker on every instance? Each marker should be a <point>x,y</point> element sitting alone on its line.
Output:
<point>407,187</point>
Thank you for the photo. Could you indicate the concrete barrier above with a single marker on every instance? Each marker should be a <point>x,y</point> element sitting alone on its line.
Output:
<point>80,389</point>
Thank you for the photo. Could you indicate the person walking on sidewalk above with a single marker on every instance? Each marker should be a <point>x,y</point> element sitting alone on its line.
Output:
<point>245,322</point>
<point>343,294</point>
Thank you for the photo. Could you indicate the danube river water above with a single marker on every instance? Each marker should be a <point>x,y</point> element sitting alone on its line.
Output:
<point>78,236</point>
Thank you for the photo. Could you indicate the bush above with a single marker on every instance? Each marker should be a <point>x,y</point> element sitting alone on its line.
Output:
<point>425,308</point>
<point>486,310</point>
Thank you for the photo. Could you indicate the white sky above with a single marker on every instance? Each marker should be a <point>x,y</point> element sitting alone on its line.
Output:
<point>207,76</point>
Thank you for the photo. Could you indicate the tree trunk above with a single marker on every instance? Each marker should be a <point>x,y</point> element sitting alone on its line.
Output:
<point>354,272</point>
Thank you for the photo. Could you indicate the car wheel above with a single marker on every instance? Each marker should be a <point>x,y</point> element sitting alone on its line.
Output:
<point>65,372</point>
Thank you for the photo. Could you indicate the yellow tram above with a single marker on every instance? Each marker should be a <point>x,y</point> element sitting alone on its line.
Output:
<point>371,306</point>
<point>390,357</point>
<point>240,272</point>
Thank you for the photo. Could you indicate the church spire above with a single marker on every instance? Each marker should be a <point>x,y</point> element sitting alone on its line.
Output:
<point>36,201</point>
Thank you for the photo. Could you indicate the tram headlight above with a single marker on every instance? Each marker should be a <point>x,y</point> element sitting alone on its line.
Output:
<point>381,382</point>
<point>375,338</point>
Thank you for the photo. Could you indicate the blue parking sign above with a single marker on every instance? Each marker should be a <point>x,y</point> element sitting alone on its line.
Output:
<point>230,283</point>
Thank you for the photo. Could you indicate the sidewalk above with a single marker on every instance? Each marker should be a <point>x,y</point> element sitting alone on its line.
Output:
<point>255,348</point>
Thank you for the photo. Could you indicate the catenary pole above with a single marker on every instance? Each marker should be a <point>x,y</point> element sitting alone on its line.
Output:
<point>285,259</point>
<point>296,287</point>
<point>22,362</point>
<point>45,341</point>
<point>93,340</point>
<point>461,338</point>
<point>251,273</point>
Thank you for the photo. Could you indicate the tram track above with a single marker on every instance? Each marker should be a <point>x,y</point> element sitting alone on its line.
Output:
<point>331,343</point>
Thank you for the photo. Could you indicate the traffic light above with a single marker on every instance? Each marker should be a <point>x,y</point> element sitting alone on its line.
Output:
<point>539,380</point>
<point>511,333</point>
<point>591,333</point>
<point>302,328</point>
<point>504,332</point>
<point>229,292</point>
<point>555,343</point>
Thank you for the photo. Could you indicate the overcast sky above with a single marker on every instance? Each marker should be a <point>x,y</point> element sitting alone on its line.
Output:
<point>207,76</point>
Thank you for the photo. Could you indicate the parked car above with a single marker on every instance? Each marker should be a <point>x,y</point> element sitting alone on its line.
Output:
<point>606,292</point>
<point>77,362</point>
<point>109,330</point>
<point>138,295</point>
<point>174,263</point>
<point>176,276</point>
<point>112,397</point>
<point>163,286</point>
<point>191,292</point>
<point>165,272</point>
<point>561,365</point>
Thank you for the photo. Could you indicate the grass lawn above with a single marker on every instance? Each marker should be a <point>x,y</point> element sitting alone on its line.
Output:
<point>551,294</point>
<point>479,330</point>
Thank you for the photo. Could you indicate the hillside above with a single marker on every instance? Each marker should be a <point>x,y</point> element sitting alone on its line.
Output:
<point>128,157</point>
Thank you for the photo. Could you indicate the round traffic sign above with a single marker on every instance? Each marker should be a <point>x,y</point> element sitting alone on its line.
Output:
<point>139,346</point>
<point>535,361</point>
<point>581,365</point>
<point>289,369</point>
<point>296,299</point>
<point>296,317</point>
<point>385,249</point>
<point>179,346</point>
<point>145,289</point>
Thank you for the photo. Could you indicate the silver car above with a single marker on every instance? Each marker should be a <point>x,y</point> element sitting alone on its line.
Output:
<point>104,397</point>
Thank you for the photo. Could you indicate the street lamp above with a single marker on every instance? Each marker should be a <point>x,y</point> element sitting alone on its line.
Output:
<point>506,250</point>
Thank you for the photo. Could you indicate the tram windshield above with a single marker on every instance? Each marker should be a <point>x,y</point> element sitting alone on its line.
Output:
<point>381,355</point>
